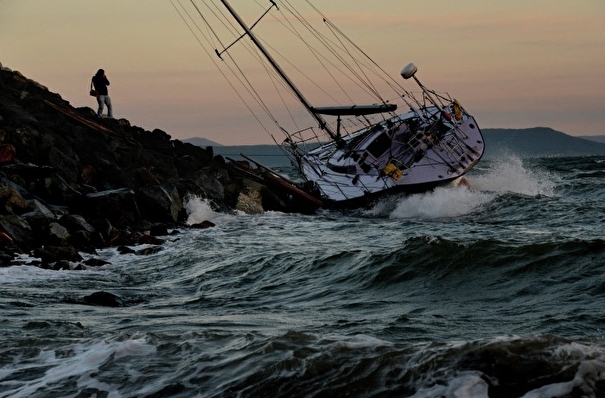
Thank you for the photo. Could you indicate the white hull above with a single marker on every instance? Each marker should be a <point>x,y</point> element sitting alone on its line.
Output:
<point>379,159</point>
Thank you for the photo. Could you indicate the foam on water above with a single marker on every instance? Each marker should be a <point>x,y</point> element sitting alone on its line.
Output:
<point>198,210</point>
<point>443,202</point>
<point>464,385</point>
<point>27,274</point>
<point>83,363</point>
<point>511,175</point>
<point>468,194</point>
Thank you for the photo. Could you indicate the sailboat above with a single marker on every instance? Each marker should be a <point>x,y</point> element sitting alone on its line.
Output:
<point>350,153</point>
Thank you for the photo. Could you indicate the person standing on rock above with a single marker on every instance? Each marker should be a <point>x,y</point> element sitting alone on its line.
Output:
<point>100,82</point>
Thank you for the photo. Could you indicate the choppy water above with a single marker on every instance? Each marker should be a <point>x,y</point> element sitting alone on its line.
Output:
<point>496,291</point>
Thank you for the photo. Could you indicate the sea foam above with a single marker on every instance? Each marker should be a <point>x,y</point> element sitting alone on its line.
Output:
<point>198,210</point>
<point>467,194</point>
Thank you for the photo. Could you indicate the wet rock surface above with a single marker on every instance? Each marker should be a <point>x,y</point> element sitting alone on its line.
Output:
<point>71,182</point>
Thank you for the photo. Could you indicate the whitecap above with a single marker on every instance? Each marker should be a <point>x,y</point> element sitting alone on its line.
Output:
<point>198,210</point>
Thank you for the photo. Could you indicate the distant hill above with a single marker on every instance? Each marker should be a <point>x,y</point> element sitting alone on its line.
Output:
<point>537,142</point>
<point>525,143</point>
<point>203,142</point>
<point>268,155</point>
<point>595,138</point>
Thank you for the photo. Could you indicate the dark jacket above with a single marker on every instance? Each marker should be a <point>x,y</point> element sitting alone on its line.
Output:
<point>100,83</point>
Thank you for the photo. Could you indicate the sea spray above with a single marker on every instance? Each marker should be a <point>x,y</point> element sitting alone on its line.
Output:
<point>512,175</point>
<point>198,210</point>
<point>441,203</point>
<point>468,194</point>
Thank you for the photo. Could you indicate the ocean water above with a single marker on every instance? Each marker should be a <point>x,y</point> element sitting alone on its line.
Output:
<point>497,290</point>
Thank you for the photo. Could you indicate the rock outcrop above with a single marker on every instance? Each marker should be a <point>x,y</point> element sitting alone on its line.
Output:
<point>70,181</point>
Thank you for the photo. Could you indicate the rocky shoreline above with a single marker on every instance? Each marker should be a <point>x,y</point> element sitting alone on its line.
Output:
<point>72,183</point>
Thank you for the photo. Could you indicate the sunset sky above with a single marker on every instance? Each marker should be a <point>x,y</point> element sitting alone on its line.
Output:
<point>513,64</point>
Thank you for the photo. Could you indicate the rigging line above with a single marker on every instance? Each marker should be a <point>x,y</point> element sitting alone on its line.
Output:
<point>223,19</point>
<point>325,43</point>
<point>308,78</point>
<point>315,53</point>
<point>273,78</point>
<point>332,47</point>
<point>366,81</point>
<point>318,117</point>
<point>211,56</point>
<point>247,85</point>
<point>185,20</point>
<point>196,25</point>
<point>388,75</point>
<point>257,97</point>
<point>251,27</point>
<point>208,25</point>
<point>387,78</point>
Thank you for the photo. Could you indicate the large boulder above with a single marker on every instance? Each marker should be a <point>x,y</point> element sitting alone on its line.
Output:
<point>118,206</point>
<point>81,233</point>
<point>18,230</point>
<point>249,202</point>
<point>11,201</point>
<point>159,202</point>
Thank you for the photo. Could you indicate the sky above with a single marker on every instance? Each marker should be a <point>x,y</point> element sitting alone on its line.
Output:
<point>513,64</point>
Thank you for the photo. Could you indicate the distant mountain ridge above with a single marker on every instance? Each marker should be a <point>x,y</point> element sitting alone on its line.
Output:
<point>199,141</point>
<point>525,143</point>
<point>595,138</point>
<point>538,142</point>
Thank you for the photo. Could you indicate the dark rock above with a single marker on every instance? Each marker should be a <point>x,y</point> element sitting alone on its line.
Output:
<point>35,205</point>
<point>125,250</point>
<point>51,254</point>
<point>75,222</point>
<point>82,234</point>
<point>7,153</point>
<point>39,225</point>
<point>158,230</point>
<point>118,206</point>
<point>104,228</point>
<point>104,299</point>
<point>11,201</point>
<point>57,234</point>
<point>18,230</point>
<point>208,180</point>
<point>145,177</point>
<point>61,265</point>
<point>96,262</point>
<point>187,187</point>
<point>100,179</point>
<point>6,259</point>
<point>83,240</point>
<point>54,189</point>
<point>203,225</point>
<point>161,203</point>
<point>144,239</point>
<point>149,250</point>
<point>66,165</point>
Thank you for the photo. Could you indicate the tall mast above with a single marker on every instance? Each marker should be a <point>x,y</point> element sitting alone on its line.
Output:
<point>280,72</point>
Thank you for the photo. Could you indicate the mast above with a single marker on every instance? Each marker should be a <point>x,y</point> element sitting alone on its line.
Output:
<point>280,72</point>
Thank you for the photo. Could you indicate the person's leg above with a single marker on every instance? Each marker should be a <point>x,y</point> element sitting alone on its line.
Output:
<point>109,109</point>
<point>100,101</point>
